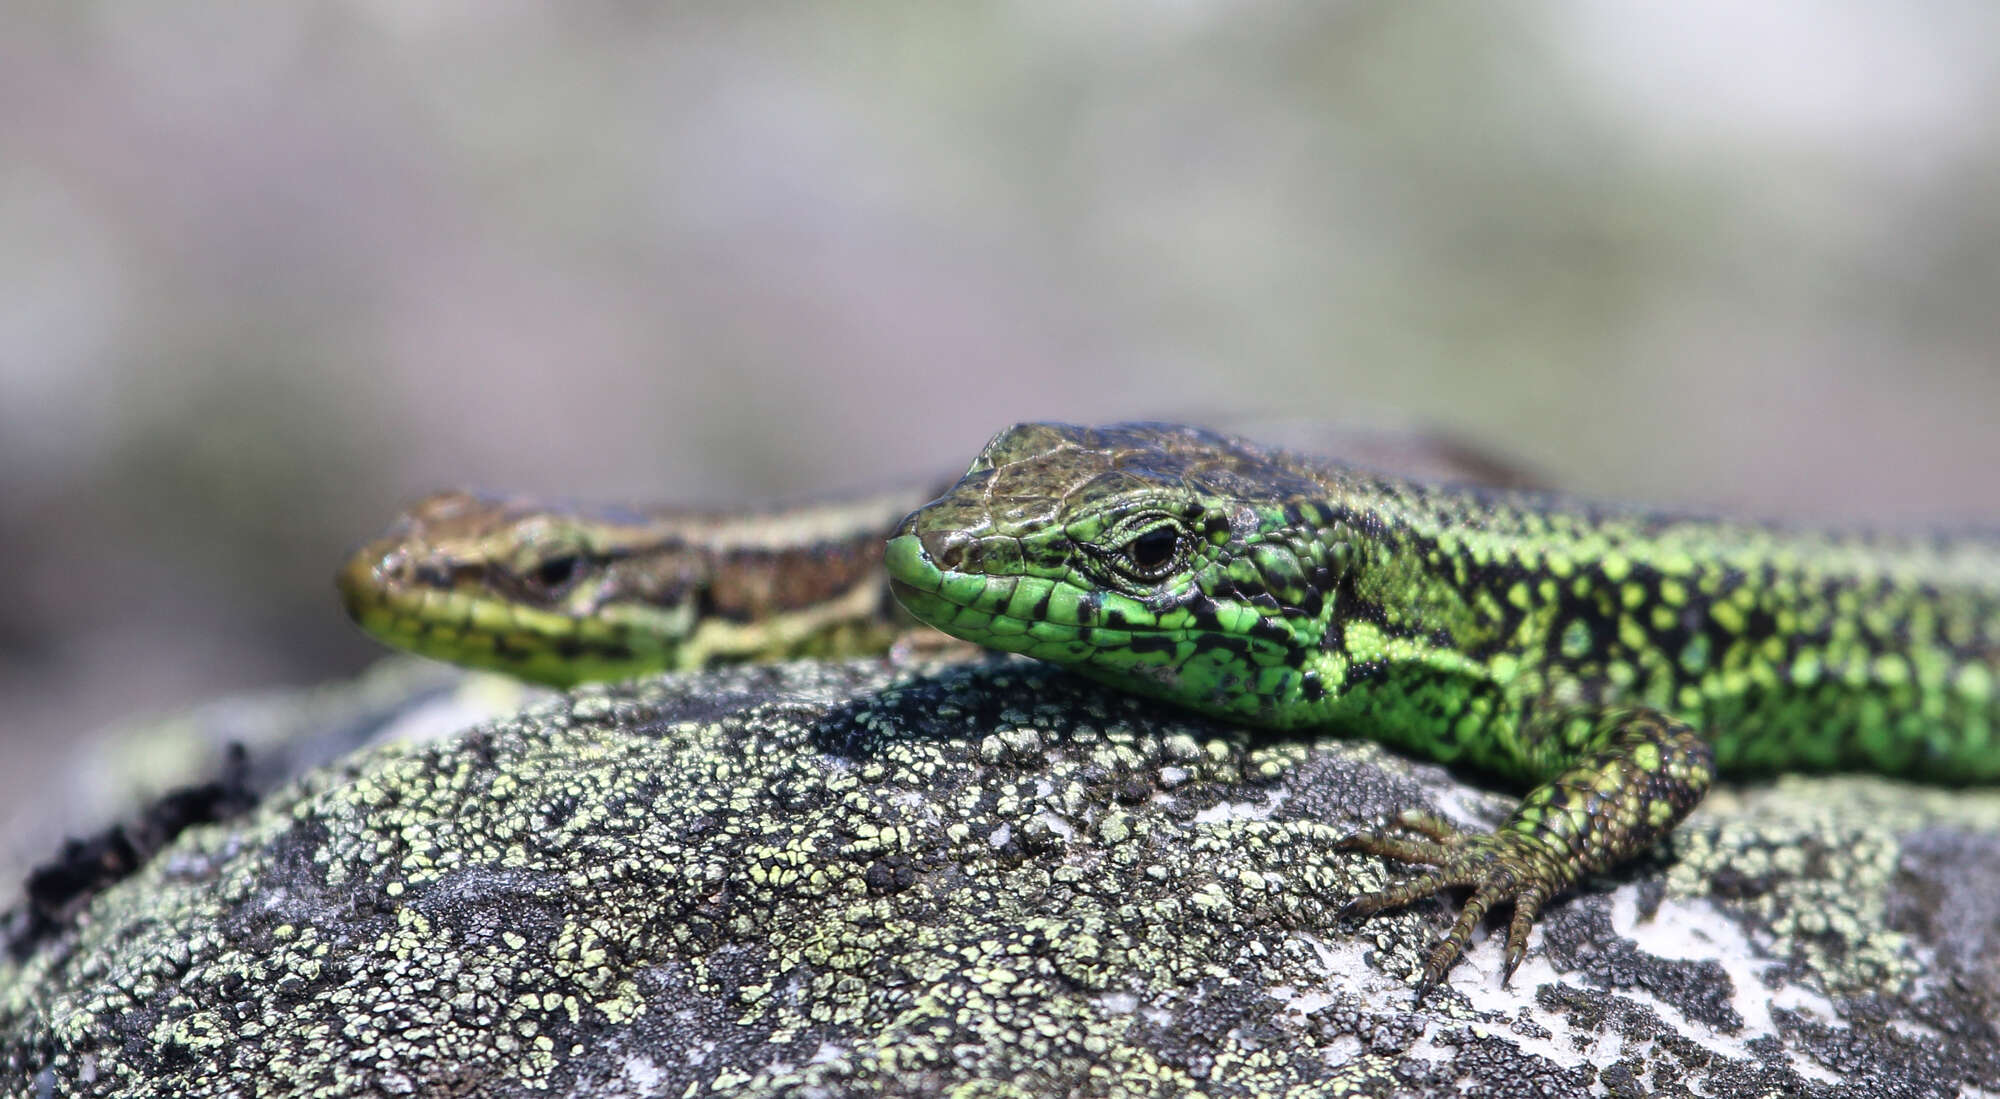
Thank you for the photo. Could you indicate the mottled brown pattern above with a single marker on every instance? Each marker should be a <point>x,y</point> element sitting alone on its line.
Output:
<point>744,586</point>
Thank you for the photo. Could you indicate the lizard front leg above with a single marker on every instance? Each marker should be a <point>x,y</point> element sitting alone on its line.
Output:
<point>1636,774</point>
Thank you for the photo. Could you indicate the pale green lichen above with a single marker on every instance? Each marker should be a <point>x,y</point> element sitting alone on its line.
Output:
<point>977,881</point>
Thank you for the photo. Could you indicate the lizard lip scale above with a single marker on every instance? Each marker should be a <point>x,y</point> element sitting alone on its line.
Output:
<point>921,586</point>
<point>358,583</point>
<point>379,607</point>
<point>912,575</point>
<point>909,565</point>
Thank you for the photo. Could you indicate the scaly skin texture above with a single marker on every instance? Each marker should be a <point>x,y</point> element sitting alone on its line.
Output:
<point>1611,661</point>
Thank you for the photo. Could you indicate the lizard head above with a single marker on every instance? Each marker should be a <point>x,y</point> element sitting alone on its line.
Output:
<point>1166,560</point>
<point>537,592</point>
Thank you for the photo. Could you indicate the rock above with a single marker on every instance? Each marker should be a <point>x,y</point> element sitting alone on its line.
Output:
<point>279,733</point>
<point>982,879</point>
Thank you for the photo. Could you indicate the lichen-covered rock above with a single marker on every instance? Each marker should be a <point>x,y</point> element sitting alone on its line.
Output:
<point>279,733</point>
<point>983,880</point>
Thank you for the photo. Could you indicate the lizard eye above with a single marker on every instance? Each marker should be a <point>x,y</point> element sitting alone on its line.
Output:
<point>557,572</point>
<point>1151,554</point>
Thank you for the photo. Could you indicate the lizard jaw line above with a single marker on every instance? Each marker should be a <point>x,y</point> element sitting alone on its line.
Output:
<point>926,591</point>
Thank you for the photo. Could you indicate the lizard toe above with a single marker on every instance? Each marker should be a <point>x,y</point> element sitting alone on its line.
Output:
<point>1414,836</point>
<point>1499,868</point>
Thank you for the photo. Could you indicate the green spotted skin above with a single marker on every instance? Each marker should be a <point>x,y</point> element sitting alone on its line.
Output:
<point>1610,661</point>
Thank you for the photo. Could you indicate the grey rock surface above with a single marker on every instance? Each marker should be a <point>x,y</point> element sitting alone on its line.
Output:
<point>987,879</point>
<point>109,774</point>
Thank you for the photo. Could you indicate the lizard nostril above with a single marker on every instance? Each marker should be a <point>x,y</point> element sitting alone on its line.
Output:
<point>948,549</point>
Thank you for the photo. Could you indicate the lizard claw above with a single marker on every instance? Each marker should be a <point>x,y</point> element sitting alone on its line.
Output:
<point>1607,806</point>
<point>1497,867</point>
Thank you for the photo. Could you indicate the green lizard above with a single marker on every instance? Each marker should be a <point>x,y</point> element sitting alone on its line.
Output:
<point>1610,661</point>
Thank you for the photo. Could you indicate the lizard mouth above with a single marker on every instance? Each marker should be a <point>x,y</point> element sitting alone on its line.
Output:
<point>1020,614</point>
<point>920,585</point>
<point>967,605</point>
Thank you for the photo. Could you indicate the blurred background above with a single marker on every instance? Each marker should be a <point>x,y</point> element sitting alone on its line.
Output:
<point>269,270</point>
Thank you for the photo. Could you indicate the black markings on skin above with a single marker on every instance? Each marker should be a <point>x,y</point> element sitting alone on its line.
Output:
<point>1333,638</point>
<point>1210,640</point>
<point>1202,608</point>
<point>704,605</point>
<point>1760,623</point>
<point>1364,610</point>
<point>1571,609</point>
<point>1364,671</point>
<point>1310,687</point>
<point>1295,654</point>
<point>1273,628</point>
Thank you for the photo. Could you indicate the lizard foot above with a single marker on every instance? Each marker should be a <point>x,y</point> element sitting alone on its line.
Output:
<point>1647,771</point>
<point>1497,867</point>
